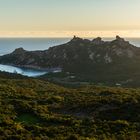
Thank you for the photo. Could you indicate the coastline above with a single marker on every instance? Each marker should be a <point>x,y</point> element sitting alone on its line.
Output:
<point>37,68</point>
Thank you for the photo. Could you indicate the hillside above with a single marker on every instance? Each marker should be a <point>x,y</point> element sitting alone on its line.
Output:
<point>95,60</point>
<point>33,109</point>
<point>76,54</point>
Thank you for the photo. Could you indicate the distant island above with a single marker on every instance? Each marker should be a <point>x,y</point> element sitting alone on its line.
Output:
<point>114,62</point>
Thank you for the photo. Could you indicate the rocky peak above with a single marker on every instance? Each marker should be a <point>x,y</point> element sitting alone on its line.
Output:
<point>97,41</point>
<point>76,39</point>
<point>120,41</point>
<point>19,51</point>
<point>118,38</point>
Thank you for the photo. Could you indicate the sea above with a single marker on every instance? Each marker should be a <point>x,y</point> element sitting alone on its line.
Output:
<point>8,45</point>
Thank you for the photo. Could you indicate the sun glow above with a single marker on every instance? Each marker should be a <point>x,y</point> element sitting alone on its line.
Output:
<point>125,33</point>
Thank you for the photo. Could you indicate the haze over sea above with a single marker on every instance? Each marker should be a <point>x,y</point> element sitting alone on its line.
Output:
<point>7,45</point>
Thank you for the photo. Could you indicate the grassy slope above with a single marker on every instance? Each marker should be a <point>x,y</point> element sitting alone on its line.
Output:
<point>34,109</point>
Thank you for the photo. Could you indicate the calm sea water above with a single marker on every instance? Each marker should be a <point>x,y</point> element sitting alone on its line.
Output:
<point>7,45</point>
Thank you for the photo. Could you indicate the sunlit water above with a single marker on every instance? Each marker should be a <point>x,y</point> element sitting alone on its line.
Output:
<point>22,71</point>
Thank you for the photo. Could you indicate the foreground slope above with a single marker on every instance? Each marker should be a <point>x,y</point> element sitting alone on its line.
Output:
<point>34,109</point>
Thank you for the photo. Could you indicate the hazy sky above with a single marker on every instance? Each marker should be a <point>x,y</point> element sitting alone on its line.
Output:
<point>68,17</point>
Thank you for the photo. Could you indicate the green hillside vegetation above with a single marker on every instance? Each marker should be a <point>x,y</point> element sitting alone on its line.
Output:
<point>34,109</point>
<point>114,79</point>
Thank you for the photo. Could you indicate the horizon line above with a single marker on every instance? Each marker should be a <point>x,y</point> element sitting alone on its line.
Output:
<point>70,34</point>
<point>83,37</point>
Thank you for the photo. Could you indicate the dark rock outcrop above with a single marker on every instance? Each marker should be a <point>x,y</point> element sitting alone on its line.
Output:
<point>97,41</point>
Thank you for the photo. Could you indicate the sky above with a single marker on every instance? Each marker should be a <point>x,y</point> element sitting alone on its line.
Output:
<point>65,18</point>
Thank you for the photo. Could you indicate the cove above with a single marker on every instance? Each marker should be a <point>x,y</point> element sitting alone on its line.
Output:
<point>23,71</point>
